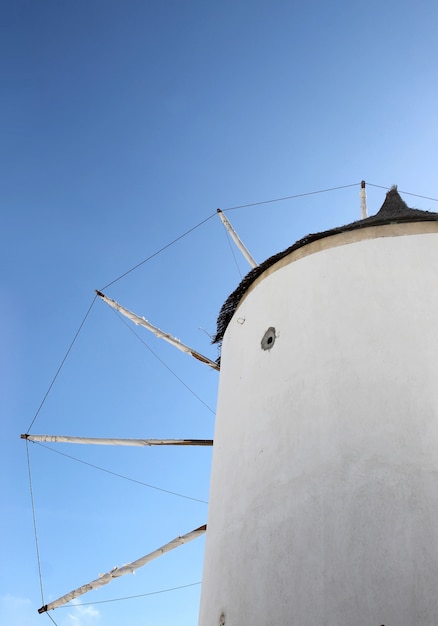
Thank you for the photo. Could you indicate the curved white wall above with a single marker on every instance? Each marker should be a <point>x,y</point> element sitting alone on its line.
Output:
<point>324,489</point>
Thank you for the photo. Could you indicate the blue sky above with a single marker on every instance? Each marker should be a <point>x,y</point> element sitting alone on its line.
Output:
<point>123,125</point>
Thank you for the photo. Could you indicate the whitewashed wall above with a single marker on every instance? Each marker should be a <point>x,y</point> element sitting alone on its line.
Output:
<point>324,489</point>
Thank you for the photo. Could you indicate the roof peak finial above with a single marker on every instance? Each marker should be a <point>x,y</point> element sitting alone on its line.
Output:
<point>393,204</point>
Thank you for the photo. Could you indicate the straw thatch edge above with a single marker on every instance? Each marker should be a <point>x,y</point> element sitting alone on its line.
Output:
<point>393,210</point>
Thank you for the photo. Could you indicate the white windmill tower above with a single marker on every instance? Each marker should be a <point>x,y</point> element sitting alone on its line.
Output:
<point>324,487</point>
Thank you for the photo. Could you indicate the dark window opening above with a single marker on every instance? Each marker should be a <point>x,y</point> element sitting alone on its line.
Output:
<point>268,339</point>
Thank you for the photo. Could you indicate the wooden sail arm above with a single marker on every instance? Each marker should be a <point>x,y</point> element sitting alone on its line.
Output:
<point>129,568</point>
<point>237,240</point>
<point>141,321</point>
<point>363,201</point>
<point>102,441</point>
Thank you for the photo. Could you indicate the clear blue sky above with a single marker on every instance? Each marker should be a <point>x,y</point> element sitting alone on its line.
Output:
<point>124,124</point>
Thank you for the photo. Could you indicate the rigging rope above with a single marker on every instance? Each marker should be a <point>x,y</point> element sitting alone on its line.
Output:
<point>161,361</point>
<point>132,480</point>
<point>34,522</point>
<point>407,193</point>
<point>141,595</point>
<point>298,195</point>
<point>232,208</point>
<point>48,615</point>
<point>158,251</point>
<point>232,252</point>
<point>62,363</point>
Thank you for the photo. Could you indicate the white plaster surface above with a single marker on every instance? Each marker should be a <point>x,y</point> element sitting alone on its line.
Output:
<point>324,490</point>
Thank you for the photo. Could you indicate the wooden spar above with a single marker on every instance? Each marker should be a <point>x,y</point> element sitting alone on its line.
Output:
<point>363,201</point>
<point>129,568</point>
<point>236,239</point>
<point>141,321</point>
<point>101,441</point>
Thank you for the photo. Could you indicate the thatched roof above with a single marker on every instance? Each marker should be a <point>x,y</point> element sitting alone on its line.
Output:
<point>393,210</point>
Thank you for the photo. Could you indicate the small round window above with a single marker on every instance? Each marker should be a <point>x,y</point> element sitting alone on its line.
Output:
<point>268,339</point>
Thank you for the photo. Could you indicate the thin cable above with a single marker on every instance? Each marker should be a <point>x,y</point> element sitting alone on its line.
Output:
<point>132,480</point>
<point>34,523</point>
<point>47,613</point>
<point>232,252</point>
<point>241,206</point>
<point>378,186</point>
<point>142,595</point>
<point>299,195</point>
<point>158,251</point>
<point>62,363</point>
<point>162,362</point>
<point>407,193</point>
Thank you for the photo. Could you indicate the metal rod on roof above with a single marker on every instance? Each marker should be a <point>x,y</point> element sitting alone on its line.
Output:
<point>102,441</point>
<point>141,321</point>
<point>363,200</point>
<point>129,568</point>
<point>236,239</point>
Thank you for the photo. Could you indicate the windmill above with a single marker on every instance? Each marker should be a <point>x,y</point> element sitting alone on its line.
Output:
<point>314,474</point>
